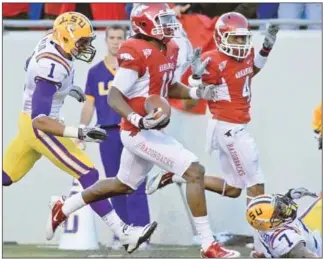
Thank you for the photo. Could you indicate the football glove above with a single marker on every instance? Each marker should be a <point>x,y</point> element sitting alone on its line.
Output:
<point>153,120</point>
<point>198,66</point>
<point>200,91</point>
<point>77,93</point>
<point>91,134</point>
<point>297,193</point>
<point>270,37</point>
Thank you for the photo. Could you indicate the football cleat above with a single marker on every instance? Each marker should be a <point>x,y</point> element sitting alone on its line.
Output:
<point>215,250</point>
<point>132,237</point>
<point>56,216</point>
<point>158,181</point>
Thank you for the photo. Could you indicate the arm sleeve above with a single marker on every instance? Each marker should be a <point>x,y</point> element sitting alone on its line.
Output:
<point>42,98</point>
<point>124,80</point>
<point>283,241</point>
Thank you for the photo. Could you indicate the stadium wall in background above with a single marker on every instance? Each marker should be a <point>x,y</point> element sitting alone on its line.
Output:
<point>284,96</point>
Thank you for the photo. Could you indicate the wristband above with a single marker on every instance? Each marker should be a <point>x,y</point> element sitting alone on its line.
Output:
<point>260,61</point>
<point>194,81</point>
<point>71,132</point>
<point>193,93</point>
<point>134,118</point>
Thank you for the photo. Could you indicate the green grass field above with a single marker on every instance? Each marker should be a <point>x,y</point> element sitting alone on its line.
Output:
<point>26,251</point>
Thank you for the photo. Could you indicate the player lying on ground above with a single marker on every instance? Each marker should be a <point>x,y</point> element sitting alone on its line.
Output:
<point>50,74</point>
<point>147,65</point>
<point>280,233</point>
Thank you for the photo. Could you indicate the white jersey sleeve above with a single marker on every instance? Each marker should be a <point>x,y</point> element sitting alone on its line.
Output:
<point>284,239</point>
<point>51,70</point>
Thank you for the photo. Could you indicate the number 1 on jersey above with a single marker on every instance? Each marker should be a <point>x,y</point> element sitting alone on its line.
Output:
<point>246,89</point>
<point>51,72</point>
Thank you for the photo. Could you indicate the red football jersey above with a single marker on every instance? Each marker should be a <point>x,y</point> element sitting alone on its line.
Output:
<point>233,93</point>
<point>155,69</point>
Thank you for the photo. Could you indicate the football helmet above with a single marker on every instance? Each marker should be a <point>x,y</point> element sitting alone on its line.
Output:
<point>227,27</point>
<point>73,32</point>
<point>266,213</point>
<point>155,20</point>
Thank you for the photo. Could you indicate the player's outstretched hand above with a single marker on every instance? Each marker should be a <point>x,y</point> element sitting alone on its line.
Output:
<point>77,93</point>
<point>297,193</point>
<point>92,134</point>
<point>198,66</point>
<point>271,35</point>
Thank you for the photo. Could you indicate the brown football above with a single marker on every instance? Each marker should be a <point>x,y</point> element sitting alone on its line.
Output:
<point>157,101</point>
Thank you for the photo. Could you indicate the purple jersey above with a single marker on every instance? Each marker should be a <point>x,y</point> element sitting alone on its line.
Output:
<point>99,80</point>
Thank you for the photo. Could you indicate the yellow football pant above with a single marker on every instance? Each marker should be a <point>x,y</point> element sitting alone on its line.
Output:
<point>312,217</point>
<point>30,144</point>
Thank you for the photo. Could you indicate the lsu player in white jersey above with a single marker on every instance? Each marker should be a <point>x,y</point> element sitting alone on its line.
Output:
<point>49,80</point>
<point>280,232</point>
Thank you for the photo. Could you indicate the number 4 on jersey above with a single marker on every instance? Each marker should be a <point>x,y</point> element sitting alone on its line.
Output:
<point>246,89</point>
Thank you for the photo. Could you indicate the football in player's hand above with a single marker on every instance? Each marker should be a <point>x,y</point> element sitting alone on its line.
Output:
<point>157,101</point>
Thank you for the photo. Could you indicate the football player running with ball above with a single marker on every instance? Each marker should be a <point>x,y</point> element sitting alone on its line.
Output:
<point>50,74</point>
<point>147,66</point>
<point>280,233</point>
<point>230,70</point>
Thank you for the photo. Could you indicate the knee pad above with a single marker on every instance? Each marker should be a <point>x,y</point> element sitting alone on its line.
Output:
<point>6,180</point>
<point>89,179</point>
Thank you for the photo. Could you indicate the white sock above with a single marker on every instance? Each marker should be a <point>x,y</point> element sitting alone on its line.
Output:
<point>177,179</point>
<point>114,222</point>
<point>73,203</point>
<point>204,231</point>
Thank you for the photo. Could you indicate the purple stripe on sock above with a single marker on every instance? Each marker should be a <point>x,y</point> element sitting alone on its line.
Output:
<point>63,148</point>
<point>56,155</point>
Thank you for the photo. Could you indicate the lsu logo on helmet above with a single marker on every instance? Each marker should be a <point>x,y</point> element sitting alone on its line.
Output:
<point>73,32</point>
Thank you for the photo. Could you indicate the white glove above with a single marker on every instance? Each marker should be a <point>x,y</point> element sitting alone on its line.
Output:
<point>201,91</point>
<point>77,93</point>
<point>153,120</point>
<point>197,66</point>
<point>297,193</point>
<point>270,37</point>
<point>91,134</point>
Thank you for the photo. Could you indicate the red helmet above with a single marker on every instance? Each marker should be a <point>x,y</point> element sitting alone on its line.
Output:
<point>233,24</point>
<point>155,20</point>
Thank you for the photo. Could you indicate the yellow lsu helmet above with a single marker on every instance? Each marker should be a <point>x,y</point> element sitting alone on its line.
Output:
<point>73,32</point>
<point>268,212</point>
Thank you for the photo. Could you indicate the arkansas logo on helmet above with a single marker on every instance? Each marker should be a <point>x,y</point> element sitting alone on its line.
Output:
<point>155,20</point>
<point>229,26</point>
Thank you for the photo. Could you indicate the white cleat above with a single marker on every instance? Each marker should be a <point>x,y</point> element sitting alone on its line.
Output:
<point>132,237</point>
